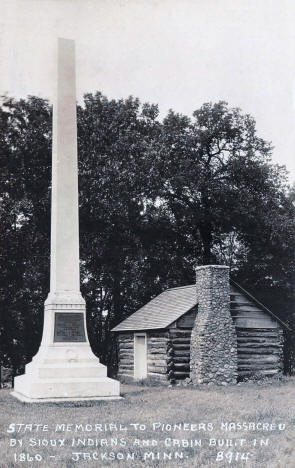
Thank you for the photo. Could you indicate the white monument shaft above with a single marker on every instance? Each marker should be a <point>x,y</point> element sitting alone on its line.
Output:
<point>64,267</point>
<point>65,367</point>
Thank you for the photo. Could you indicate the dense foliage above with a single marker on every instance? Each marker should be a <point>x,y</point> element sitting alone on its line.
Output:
<point>155,199</point>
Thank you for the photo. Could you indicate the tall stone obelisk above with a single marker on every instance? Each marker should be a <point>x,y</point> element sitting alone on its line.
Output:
<point>65,367</point>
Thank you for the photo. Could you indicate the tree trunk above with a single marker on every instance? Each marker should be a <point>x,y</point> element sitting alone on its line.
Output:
<point>206,236</point>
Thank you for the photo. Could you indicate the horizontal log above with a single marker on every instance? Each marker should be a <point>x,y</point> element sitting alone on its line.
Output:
<point>239,302</point>
<point>258,357</point>
<point>256,368</point>
<point>157,375</point>
<point>181,366</point>
<point>183,343</point>
<point>128,353</point>
<point>272,357</point>
<point>180,333</point>
<point>156,357</point>
<point>162,346</point>
<point>160,339</point>
<point>236,294</point>
<point>125,335</point>
<point>125,374</point>
<point>157,346</point>
<point>158,369</point>
<point>126,366</point>
<point>125,339</point>
<point>155,351</point>
<point>181,346</point>
<point>159,334</point>
<point>244,312</point>
<point>182,352</point>
<point>248,322</point>
<point>126,361</point>
<point>180,359</point>
<point>257,332</point>
<point>254,346</point>
<point>181,374</point>
<point>262,373</point>
<point>160,352</point>
<point>244,307</point>
<point>125,346</point>
<point>258,349</point>
<point>159,362</point>
<point>181,340</point>
<point>185,322</point>
<point>255,339</point>
<point>251,314</point>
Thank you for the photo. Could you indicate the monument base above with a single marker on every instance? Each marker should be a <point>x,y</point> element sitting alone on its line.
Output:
<point>24,399</point>
<point>63,373</point>
<point>65,368</point>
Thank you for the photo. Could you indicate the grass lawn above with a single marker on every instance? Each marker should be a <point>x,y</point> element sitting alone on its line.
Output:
<point>197,413</point>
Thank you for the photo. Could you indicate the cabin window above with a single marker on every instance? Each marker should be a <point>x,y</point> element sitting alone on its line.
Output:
<point>140,356</point>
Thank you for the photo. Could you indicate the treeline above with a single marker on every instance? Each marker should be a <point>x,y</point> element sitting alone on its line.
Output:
<point>156,198</point>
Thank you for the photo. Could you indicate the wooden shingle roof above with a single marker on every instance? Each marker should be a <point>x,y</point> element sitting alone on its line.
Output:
<point>162,310</point>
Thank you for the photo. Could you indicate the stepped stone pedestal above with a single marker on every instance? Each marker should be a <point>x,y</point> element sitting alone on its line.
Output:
<point>65,370</point>
<point>65,367</point>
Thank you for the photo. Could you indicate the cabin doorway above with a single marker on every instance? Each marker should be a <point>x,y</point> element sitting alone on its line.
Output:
<point>140,356</point>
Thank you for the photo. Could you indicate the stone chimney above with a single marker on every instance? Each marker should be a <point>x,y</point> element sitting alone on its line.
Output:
<point>213,341</point>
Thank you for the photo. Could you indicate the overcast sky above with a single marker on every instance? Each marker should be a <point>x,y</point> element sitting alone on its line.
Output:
<point>176,53</point>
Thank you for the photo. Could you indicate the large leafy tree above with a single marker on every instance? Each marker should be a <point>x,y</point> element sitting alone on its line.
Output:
<point>215,173</point>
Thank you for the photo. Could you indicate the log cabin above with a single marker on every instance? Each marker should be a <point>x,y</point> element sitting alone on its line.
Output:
<point>155,341</point>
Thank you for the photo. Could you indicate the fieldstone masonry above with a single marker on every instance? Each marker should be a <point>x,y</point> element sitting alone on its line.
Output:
<point>213,356</point>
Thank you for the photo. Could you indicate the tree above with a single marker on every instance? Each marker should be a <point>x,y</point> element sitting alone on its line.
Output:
<point>217,173</point>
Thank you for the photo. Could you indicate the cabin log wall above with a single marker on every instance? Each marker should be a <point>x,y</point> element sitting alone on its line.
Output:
<point>126,355</point>
<point>157,346</point>
<point>259,335</point>
<point>180,339</point>
<point>260,351</point>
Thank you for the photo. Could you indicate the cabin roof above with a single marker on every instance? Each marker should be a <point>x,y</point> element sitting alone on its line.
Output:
<point>169,306</point>
<point>161,311</point>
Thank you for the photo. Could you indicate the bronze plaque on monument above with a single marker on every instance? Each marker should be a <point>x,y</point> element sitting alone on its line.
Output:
<point>69,327</point>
